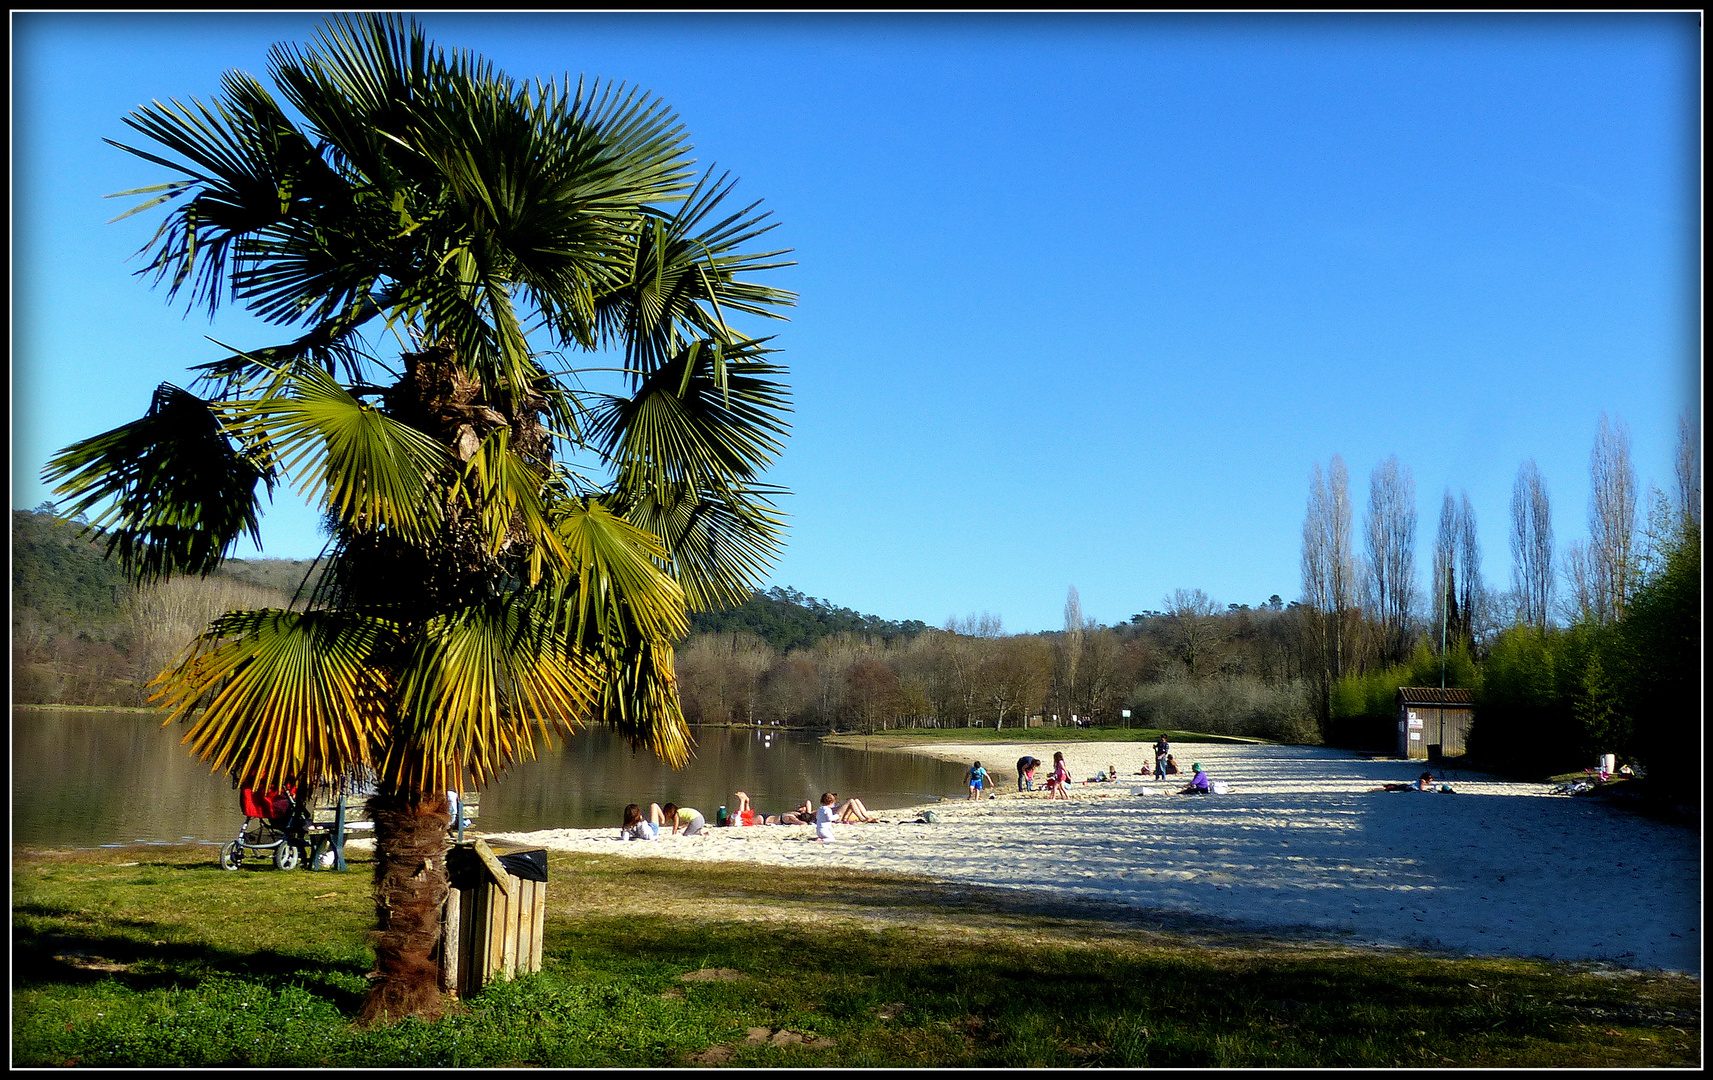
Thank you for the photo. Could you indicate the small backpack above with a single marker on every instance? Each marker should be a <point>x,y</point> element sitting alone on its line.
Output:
<point>928,818</point>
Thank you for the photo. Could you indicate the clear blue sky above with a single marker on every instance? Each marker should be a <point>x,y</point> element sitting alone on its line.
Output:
<point>1083,298</point>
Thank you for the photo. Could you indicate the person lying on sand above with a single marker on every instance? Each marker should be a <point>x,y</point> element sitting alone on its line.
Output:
<point>745,814</point>
<point>1424,782</point>
<point>854,812</point>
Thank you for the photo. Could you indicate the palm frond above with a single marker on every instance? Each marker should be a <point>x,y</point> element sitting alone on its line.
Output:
<point>680,282</point>
<point>615,588</point>
<point>291,696</point>
<point>169,491</point>
<point>477,686</point>
<point>682,426</point>
<point>722,543</point>
<point>508,490</point>
<point>639,699</point>
<point>369,469</point>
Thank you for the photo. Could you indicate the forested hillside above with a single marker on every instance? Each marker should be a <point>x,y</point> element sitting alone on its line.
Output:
<point>786,619</point>
<point>82,636</point>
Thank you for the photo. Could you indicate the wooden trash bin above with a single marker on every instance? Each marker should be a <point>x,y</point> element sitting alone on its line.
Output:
<point>492,922</point>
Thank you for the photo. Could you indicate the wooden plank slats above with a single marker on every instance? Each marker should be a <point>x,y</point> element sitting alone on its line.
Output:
<point>492,928</point>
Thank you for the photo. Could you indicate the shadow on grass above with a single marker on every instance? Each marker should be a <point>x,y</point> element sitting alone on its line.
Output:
<point>135,954</point>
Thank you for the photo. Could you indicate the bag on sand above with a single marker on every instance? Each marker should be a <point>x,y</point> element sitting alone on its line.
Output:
<point>928,818</point>
<point>1219,787</point>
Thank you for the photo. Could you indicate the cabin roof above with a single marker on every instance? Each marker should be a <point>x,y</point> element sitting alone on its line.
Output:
<point>1433,695</point>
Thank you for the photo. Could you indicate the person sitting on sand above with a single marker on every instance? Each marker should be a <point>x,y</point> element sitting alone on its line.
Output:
<point>635,828</point>
<point>976,778</point>
<point>1171,765</point>
<point>681,818</point>
<point>1198,784</point>
<point>1026,767</point>
<point>1061,777</point>
<point>824,817</point>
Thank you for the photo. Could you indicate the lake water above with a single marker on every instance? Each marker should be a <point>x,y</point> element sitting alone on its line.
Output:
<point>89,779</point>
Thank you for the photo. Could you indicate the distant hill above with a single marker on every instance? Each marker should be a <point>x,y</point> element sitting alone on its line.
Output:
<point>62,581</point>
<point>74,640</point>
<point>786,619</point>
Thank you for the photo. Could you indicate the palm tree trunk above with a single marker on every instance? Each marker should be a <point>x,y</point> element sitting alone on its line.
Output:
<point>410,889</point>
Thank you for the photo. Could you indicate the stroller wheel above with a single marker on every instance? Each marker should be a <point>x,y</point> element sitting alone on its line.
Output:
<point>231,855</point>
<point>286,856</point>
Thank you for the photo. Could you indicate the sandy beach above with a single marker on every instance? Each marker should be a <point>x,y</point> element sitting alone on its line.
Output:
<point>1299,843</point>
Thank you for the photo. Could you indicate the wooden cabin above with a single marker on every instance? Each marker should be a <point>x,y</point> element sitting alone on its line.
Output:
<point>1434,723</point>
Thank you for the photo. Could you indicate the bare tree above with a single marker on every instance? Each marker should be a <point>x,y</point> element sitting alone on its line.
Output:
<point>749,659</point>
<point>1021,671</point>
<point>1195,629</point>
<point>1391,537</point>
<point>1611,520</point>
<point>1582,600</point>
<point>1446,609</point>
<point>1531,546</point>
<point>1471,590</point>
<point>164,617</point>
<point>1688,472</point>
<point>1073,646</point>
<point>1329,571</point>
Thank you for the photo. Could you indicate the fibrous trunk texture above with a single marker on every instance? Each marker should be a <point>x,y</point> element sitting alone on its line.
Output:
<point>410,889</point>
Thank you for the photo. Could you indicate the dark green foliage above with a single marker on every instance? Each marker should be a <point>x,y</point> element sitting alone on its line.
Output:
<point>1520,715</point>
<point>1661,683</point>
<point>1365,706</point>
<point>176,491</point>
<point>65,581</point>
<point>1552,701</point>
<point>786,619</point>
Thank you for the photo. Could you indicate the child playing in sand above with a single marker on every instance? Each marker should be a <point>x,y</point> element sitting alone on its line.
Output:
<point>635,828</point>
<point>1061,777</point>
<point>824,817</point>
<point>977,777</point>
<point>679,817</point>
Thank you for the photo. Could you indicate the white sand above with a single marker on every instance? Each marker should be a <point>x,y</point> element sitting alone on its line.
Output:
<point>1299,842</point>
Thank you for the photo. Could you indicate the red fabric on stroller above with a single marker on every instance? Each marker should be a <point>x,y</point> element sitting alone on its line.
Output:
<point>268,805</point>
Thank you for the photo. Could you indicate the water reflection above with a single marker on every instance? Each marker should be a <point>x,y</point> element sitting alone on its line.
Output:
<point>86,778</point>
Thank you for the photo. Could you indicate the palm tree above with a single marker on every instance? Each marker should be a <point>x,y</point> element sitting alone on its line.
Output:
<point>511,555</point>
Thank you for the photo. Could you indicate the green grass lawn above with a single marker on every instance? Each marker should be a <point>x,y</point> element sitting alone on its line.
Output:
<point>154,957</point>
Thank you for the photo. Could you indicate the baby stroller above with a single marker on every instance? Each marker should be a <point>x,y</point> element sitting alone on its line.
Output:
<point>274,823</point>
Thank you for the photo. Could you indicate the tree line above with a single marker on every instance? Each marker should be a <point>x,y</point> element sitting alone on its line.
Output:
<point>1592,648</point>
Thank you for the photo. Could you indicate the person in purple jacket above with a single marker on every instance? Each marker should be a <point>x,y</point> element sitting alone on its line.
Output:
<point>1198,784</point>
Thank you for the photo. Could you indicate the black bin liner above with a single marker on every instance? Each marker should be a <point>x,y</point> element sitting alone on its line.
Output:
<point>528,865</point>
